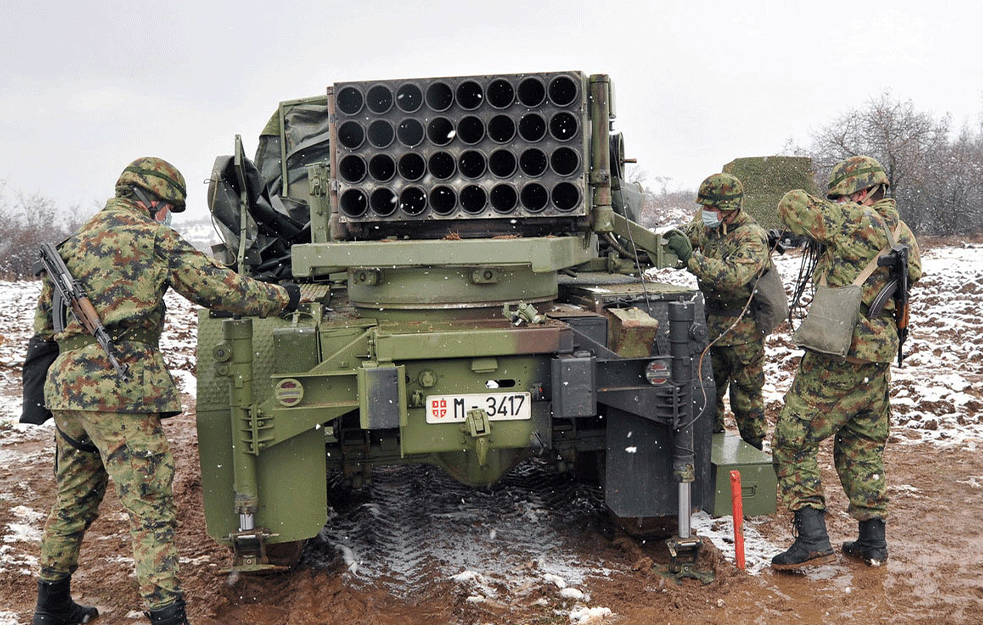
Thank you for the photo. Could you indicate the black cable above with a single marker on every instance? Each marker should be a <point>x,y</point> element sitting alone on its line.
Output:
<point>810,258</point>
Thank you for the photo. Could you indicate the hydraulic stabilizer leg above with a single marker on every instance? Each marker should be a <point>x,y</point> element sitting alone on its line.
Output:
<point>684,548</point>
<point>249,543</point>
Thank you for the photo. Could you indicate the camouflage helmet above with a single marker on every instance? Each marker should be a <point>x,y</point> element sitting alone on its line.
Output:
<point>855,174</point>
<point>724,191</point>
<point>157,176</point>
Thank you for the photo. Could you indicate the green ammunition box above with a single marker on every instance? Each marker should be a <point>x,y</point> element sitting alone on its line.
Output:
<point>759,486</point>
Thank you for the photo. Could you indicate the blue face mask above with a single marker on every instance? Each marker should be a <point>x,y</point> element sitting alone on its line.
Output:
<point>710,219</point>
<point>166,221</point>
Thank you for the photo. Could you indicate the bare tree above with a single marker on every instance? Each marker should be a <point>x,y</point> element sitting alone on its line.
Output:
<point>906,142</point>
<point>954,190</point>
<point>660,206</point>
<point>26,223</point>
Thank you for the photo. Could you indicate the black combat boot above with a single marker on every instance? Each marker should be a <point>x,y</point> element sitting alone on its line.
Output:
<point>55,605</point>
<point>871,547</point>
<point>171,614</point>
<point>811,544</point>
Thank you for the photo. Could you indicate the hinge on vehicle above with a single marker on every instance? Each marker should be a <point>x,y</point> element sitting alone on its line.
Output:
<point>478,424</point>
<point>319,179</point>
<point>480,428</point>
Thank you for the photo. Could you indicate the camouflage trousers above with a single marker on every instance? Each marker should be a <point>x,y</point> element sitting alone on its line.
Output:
<point>739,369</point>
<point>131,449</point>
<point>845,400</point>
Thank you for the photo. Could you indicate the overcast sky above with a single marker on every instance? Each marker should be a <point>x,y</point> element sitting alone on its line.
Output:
<point>86,87</point>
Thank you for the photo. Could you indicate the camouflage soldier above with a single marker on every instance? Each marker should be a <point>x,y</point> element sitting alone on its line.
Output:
<point>107,427</point>
<point>846,398</point>
<point>726,249</point>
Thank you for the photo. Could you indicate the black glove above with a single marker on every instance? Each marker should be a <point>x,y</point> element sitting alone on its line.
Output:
<point>775,241</point>
<point>679,243</point>
<point>294,292</point>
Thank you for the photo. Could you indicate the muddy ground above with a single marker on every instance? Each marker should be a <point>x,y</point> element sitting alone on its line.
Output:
<point>933,574</point>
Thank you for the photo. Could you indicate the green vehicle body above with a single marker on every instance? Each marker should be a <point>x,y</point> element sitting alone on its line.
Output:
<point>472,259</point>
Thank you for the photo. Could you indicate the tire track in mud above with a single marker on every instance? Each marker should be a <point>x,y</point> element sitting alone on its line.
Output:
<point>414,524</point>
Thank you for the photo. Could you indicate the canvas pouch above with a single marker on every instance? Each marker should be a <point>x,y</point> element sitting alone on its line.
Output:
<point>833,315</point>
<point>770,301</point>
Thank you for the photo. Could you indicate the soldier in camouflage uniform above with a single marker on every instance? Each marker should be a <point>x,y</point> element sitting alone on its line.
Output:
<point>108,428</point>
<point>726,249</point>
<point>846,398</point>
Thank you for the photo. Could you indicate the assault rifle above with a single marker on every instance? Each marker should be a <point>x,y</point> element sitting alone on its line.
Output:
<point>896,261</point>
<point>68,290</point>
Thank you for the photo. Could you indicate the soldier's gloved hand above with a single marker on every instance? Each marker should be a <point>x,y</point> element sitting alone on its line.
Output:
<point>679,243</point>
<point>294,292</point>
<point>775,241</point>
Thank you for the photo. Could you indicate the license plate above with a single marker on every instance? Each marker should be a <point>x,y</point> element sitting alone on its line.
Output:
<point>498,407</point>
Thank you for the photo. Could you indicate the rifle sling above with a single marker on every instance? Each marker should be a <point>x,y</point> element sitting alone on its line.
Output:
<point>85,445</point>
<point>882,297</point>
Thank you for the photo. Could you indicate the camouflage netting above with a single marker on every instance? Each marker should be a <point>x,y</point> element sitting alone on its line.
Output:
<point>766,179</point>
<point>276,220</point>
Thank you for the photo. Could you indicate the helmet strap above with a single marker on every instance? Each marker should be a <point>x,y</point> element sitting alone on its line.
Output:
<point>144,199</point>
<point>868,194</point>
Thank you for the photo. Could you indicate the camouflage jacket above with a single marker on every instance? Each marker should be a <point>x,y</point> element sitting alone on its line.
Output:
<point>853,235</point>
<point>126,261</point>
<point>726,262</point>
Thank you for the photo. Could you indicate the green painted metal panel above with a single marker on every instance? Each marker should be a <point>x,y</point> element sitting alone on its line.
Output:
<point>759,486</point>
<point>290,475</point>
<point>291,483</point>
<point>541,254</point>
